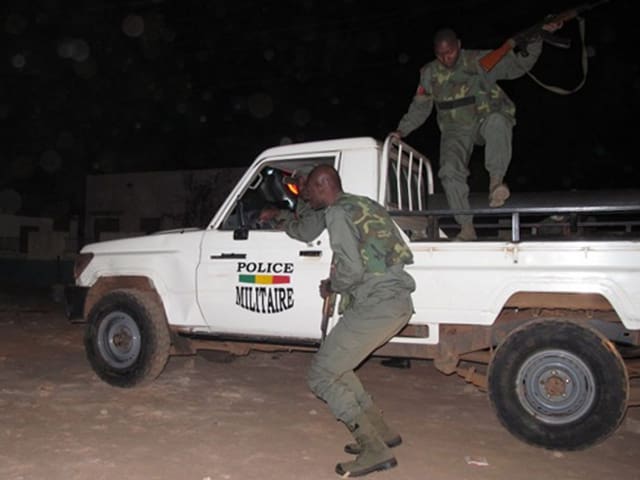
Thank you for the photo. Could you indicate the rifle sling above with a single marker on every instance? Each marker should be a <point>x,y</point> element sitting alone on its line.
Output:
<point>584,62</point>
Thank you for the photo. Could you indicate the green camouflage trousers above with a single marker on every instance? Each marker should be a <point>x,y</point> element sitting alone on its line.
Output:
<point>362,328</point>
<point>456,146</point>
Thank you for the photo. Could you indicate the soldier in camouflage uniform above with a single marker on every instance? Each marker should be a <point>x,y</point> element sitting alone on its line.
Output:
<point>471,110</point>
<point>367,271</point>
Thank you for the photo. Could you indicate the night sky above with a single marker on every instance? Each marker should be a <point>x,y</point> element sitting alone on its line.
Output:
<point>106,86</point>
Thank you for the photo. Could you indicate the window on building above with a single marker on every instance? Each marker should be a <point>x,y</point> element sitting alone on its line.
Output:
<point>105,224</point>
<point>150,224</point>
<point>25,230</point>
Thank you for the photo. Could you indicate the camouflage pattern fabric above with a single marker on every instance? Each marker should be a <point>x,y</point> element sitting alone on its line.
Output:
<point>466,79</point>
<point>367,249</point>
<point>463,82</point>
<point>379,242</point>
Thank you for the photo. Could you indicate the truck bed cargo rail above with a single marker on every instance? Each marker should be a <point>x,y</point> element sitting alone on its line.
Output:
<point>604,221</point>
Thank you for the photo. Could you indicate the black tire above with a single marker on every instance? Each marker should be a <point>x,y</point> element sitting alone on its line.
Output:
<point>558,385</point>
<point>127,339</point>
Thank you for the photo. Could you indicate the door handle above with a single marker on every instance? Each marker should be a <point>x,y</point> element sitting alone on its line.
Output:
<point>310,253</point>
<point>226,256</point>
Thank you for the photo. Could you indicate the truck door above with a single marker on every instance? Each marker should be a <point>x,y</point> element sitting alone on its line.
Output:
<point>254,280</point>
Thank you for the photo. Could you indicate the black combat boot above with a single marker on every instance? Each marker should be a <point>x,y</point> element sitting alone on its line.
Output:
<point>374,454</point>
<point>388,435</point>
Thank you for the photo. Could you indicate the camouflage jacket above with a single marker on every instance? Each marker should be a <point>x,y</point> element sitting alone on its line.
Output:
<point>368,252</point>
<point>467,80</point>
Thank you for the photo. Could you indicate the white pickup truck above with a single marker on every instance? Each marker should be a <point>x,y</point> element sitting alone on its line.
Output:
<point>543,311</point>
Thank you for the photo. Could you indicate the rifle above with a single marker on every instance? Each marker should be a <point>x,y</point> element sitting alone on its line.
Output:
<point>328,307</point>
<point>520,40</point>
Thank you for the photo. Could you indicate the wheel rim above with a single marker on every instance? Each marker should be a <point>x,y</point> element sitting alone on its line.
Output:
<point>556,386</point>
<point>119,339</point>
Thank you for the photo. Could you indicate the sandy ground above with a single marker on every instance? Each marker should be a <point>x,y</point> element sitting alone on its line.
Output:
<point>206,418</point>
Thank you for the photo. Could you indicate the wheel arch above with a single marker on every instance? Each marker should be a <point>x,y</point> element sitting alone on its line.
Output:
<point>559,300</point>
<point>592,309</point>
<point>108,284</point>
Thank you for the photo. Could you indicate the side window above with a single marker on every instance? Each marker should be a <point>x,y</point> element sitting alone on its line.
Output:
<point>268,187</point>
<point>277,184</point>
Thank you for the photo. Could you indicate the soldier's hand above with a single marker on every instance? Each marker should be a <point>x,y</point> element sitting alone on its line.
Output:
<point>552,27</point>
<point>396,134</point>
<point>267,214</point>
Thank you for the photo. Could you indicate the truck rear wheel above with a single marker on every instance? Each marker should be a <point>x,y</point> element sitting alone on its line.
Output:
<point>127,340</point>
<point>558,385</point>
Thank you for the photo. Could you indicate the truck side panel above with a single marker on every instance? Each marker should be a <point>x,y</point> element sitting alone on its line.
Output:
<point>470,283</point>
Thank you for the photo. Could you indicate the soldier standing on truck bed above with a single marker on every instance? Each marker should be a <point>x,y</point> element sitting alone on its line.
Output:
<point>367,270</point>
<point>471,110</point>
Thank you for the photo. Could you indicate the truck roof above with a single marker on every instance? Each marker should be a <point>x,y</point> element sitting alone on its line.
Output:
<point>323,145</point>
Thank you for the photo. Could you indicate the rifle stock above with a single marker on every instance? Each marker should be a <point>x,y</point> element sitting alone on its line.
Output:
<point>492,58</point>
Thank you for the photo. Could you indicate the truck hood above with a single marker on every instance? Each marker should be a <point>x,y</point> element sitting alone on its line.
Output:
<point>177,230</point>
<point>160,242</point>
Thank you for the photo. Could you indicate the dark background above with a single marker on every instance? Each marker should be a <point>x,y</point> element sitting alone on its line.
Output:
<point>104,86</point>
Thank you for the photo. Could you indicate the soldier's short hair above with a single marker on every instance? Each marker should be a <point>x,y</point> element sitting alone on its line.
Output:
<point>446,35</point>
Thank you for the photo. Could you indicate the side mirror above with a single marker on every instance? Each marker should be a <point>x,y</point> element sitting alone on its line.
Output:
<point>241,233</point>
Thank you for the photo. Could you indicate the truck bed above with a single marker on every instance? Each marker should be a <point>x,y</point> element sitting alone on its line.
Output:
<point>555,201</point>
<point>573,214</point>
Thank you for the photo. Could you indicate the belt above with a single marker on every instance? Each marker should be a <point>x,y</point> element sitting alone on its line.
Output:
<point>459,102</point>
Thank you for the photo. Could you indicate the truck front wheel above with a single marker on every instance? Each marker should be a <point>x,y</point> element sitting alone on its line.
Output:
<point>127,340</point>
<point>558,385</point>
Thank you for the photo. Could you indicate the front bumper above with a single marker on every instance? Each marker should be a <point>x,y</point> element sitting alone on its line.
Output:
<point>74,298</point>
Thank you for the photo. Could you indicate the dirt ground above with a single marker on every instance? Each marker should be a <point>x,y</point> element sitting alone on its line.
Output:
<point>207,418</point>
